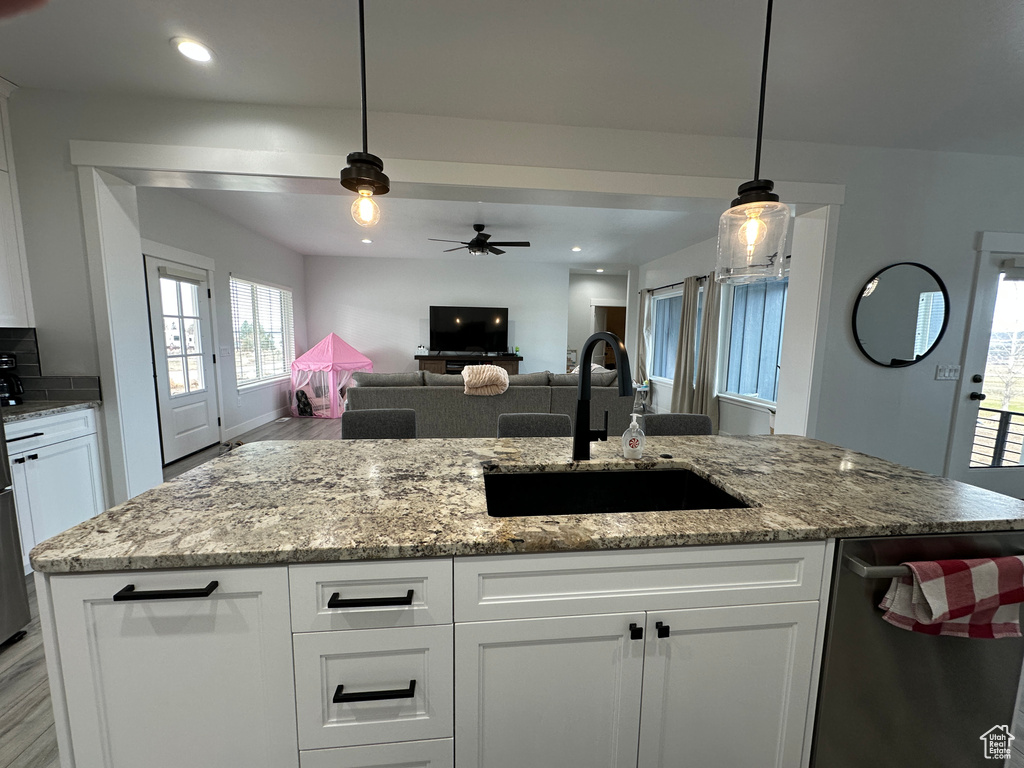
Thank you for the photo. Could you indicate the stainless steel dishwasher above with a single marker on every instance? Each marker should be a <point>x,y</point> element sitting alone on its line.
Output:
<point>890,697</point>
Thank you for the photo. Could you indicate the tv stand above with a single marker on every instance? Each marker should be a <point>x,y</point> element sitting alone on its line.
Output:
<point>454,363</point>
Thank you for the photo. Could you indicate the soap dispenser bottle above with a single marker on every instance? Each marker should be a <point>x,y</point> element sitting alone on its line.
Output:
<point>633,440</point>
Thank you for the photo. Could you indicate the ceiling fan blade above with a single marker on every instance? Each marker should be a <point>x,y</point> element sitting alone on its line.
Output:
<point>447,241</point>
<point>495,251</point>
<point>517,244</point>
<point>482,236</point>
<point>454,249</point>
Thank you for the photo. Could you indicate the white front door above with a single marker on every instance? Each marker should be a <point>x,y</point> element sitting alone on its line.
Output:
<point>179,310</point>
<point>988,422</point>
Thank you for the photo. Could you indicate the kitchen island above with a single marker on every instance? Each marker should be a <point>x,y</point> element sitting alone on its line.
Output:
<point>332,586</point>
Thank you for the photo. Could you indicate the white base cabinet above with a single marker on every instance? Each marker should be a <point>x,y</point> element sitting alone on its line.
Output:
<point>360,665</point>
<point>173,680</point>
<point>58,480</point>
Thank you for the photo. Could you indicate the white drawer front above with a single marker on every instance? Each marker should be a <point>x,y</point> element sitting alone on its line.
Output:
<point>438,753</point>
<point>578,583</point>
<point>44,430</point>
<point>369,587</point>
<point>369,662</point>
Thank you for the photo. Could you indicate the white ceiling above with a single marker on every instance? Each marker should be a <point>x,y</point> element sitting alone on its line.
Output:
<point>613,231</point>
<point>928,74</point>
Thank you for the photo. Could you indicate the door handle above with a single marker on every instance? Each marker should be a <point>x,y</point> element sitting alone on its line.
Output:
<point>977,396</point>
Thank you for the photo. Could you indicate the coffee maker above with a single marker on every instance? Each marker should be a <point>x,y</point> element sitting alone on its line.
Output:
<point>11,389</point>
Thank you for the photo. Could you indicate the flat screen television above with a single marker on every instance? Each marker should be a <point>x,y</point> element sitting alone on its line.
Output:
<point>469,329</point>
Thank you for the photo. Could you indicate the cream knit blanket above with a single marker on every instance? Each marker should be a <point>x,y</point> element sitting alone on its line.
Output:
<point>485,379</point>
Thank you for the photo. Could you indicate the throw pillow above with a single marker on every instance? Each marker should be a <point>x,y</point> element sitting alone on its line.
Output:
<point>367,379</point>
<point>529,379</point>
<point>442,379</point>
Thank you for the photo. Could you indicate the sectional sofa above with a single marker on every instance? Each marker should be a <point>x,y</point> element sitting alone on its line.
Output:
<point>444,410</point>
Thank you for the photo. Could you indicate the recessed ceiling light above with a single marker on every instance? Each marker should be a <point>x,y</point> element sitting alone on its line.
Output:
<point>192,49</point>
<point>599,270</point>
<point>576,249</point>
<point>367,240</point>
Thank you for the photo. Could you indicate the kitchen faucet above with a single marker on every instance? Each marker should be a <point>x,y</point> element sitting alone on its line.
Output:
<point>582,434</point>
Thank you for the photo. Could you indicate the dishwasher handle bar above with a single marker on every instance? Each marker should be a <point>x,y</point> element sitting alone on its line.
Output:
<point>866,571</point>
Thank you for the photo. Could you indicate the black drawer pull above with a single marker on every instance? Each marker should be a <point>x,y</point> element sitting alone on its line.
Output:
<point>399,693</point>
<point>25,437</point>
<point>32,456</point>
<point>663,629</point>
<point>635,632</point>
<point>368,602</point>
<point>19,460</point>
<point>129,593</point>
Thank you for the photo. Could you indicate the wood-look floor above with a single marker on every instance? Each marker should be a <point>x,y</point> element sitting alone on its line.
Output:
<point>27,737</point>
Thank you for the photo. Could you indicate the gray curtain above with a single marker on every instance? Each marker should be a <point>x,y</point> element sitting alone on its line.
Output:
<point>682,381</point>
<point>643,338</point>
<point>704,398</point>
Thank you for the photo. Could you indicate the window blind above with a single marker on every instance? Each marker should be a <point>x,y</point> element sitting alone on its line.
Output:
<point>263,331</point>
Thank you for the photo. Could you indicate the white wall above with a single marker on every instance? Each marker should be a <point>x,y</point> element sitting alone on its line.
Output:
<point>380,306</point>
<point>583,288</point>
<point>168,218</point>
<point>901,205</point>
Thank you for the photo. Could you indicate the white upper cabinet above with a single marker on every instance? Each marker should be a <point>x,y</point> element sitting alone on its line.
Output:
<point>15,297</point>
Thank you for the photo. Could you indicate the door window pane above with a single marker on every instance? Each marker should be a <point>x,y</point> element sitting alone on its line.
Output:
<point>176,375</point>
<point>1000,428</point>
<point>196,382</point>
<point>193,343</point>
<point>172,335</point>
<point>169,296</point>
<point>189,300</point>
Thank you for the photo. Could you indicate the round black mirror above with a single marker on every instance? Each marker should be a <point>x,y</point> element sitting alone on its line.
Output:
<point>900,314</point>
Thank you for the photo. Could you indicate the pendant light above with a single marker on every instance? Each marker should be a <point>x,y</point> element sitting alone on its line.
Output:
<point>752,233</point>
<point>365,172</point>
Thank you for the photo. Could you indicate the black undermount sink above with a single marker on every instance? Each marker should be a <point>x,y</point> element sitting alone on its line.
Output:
<point>515,494</point>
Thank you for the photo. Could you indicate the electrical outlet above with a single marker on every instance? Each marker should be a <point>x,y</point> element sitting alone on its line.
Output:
<point>947,372</point>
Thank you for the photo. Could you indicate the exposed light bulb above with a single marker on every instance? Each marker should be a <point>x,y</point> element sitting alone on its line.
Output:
<point>192,49</point>
<point>576,249</point>
<point>599,270</point>
<point>367,240</point>
<point>752,231</point>
<point>365,211</point>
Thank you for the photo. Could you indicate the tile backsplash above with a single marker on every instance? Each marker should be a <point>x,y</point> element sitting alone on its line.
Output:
<point>21,342</point>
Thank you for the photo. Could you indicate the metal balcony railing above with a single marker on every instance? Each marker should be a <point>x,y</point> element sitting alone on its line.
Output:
<point>998,438</point>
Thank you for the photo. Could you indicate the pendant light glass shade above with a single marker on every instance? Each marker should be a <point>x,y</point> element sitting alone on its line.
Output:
<point>751,239</point>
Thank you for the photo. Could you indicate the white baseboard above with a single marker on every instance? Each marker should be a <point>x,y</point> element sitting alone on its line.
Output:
<point>232,432</point>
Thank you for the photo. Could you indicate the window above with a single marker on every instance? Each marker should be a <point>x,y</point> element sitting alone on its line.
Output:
<point>931,311</point>
<point>261,321</point>
<point>755,340</point>
<point>667,313</point>
<point>179,300</point>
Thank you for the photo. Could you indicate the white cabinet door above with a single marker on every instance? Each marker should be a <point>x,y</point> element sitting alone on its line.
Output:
<point>727,687</point>
<point>63,485</point>
<point>13,286</point>
<point>557,693</point>
<point>203,682</point>
<point>23,508</point>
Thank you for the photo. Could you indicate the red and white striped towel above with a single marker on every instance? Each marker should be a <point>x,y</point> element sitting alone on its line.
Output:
<point>962,598</point>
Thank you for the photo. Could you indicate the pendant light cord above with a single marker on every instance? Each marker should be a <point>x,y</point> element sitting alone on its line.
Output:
<point>764,81</point>
<point>362,74</point>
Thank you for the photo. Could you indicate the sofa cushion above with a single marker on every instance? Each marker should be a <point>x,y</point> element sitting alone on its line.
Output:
<point>598,378</point>
<point>563,400</point>
<point>443,379</point>
<point>528,379</point>
<point>367,379</point>
<point>563,379</point>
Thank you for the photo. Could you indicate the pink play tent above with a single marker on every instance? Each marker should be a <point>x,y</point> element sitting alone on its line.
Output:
<point>320,375</point>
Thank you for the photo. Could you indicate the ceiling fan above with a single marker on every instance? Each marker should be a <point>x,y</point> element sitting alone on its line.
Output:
<point>479,245</point>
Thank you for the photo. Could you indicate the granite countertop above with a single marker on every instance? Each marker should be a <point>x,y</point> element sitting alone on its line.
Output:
<point>31,410</point>
<point>322,501</point>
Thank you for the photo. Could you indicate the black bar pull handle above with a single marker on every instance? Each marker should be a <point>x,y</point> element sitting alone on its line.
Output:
<point>663,629</point>
<point>19,460</point>
<point>32,456</point>
<point>635,632</point>
<point>129,593</point>
<point>24,437</point>
<point>340,697</point>
<point>368,602</point>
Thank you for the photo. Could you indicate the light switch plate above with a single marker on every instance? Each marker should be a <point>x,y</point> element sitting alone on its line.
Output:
<point>947,373</point>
